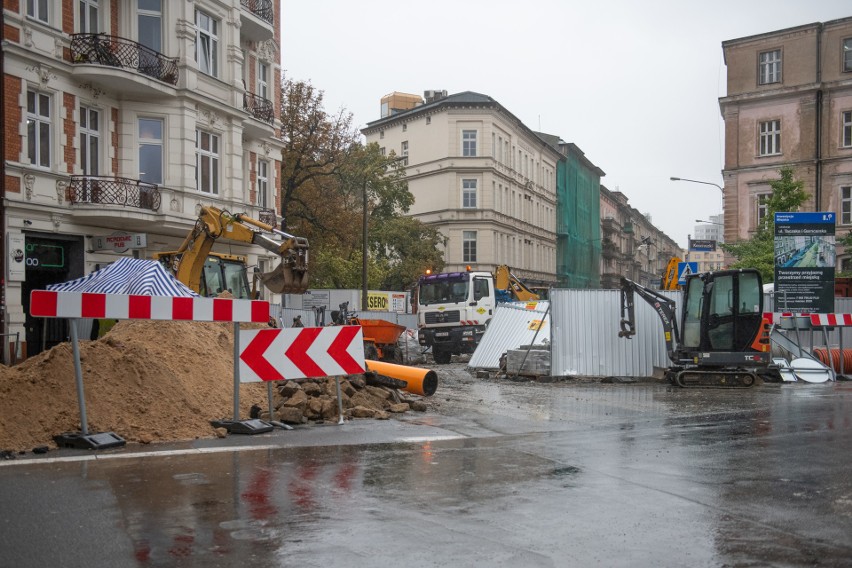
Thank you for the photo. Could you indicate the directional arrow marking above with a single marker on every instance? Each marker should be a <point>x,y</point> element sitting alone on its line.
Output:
<point>252,355</point>
<point>276,354</point>
<point>298,352</point>
<point>338,351</point>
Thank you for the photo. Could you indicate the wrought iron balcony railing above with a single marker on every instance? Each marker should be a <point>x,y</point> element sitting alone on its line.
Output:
<point>268,216</point>
<point>114,191</point>
<point>113,51</point>
<point>260,8</point>
<point>259,107</point>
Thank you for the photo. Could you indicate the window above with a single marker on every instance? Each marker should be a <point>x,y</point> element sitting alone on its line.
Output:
<point>151,150</point>
<point>207,43</point>
<point>149,21</point>
<point>428,120</point>
<point>847,54</point>
<point>403,151</point>
<point>770,138</point>
<point>468,142</point>
<point>762,207</point>
<point>846,205</point>
<point>88,14</point>
<point>770,67</point>
<point>263,81</point>
<point>206,162</point>
<point>846,121</point>
<point>263,184</point>
<point>89,140</point>
<point>38,9</point>
<point>39,129</point>
<point>405,127</point>
<point>381,134</point>
<point>469,193</point>
<point>468,246</point>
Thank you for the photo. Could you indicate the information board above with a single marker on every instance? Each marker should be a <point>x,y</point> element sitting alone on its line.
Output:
<point>804,262</point>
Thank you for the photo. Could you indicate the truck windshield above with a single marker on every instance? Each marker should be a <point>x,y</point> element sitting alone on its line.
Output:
<point>444,291</point>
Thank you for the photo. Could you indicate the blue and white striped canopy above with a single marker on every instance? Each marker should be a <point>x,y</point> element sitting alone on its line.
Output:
<point>132,276</point>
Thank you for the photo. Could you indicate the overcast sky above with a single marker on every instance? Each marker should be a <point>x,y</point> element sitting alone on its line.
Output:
<point>634,83</point>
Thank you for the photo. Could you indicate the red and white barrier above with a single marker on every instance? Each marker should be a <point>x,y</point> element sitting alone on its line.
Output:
<point>298,353</point>
<point>817,320</point>
<point>49,304</point>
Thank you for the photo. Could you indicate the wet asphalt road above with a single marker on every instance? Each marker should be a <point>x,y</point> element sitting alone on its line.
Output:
<point>497,474</point>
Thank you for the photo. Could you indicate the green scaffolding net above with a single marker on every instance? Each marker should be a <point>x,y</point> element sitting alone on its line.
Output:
<point>578,230</point>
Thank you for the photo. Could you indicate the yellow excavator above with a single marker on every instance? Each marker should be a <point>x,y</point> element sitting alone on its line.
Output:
<point>510,288</point>
<point>210,273</point>
<point>670,276</point>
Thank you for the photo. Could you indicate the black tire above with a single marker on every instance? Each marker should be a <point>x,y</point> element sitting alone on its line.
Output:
<point>442,357</point>
<point>370,352</point>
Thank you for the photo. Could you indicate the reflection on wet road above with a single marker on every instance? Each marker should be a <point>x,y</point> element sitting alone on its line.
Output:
<point>543,475</point>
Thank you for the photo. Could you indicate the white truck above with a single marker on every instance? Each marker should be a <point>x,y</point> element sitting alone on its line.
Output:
<point>454,308</point>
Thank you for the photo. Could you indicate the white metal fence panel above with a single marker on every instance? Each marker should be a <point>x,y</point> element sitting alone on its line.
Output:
<point>585,326</point>
<point>511,327</point>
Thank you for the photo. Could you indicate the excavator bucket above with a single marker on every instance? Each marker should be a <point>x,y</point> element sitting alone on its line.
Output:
<point>285,280</point>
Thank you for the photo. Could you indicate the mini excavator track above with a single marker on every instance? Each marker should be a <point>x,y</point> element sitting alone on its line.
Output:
<point>714,378</point>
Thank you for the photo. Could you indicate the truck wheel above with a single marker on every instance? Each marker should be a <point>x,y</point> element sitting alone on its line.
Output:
<point>370,352</point>
<point>442,357</point>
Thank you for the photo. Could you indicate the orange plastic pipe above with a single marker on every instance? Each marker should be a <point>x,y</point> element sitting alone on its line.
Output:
<point>420,381</point>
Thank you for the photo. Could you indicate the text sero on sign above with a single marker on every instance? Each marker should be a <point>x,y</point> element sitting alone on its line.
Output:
<point>377,301</point>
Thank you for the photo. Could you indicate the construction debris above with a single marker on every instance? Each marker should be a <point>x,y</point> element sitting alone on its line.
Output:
<point>152,381</point>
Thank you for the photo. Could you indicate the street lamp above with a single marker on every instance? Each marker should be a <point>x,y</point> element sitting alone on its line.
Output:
<point>696,181</point>
<point>709,222</point>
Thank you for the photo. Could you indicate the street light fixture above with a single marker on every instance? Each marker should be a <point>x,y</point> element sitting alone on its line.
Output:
<point>696,181</point>
<point>709,222</point>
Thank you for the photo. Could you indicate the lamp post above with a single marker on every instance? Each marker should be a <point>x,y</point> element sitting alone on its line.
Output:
<point>696,181</point>
<point>709,222</point>
<point>364,254</point>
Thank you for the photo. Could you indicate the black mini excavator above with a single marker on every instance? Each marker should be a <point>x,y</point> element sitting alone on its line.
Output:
<point>722,340</point>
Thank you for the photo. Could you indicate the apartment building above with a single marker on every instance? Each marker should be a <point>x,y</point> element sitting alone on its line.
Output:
<point>478,175</point>
<point>631,246</point>
<point>122,118</point>
<point>789,102</point>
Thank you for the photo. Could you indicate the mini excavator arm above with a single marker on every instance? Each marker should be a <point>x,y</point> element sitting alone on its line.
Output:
<point>664,307</point>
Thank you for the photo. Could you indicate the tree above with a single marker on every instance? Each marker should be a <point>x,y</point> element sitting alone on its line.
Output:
<point>759,251</point>
<point>326,175</point>
<point>316,146</point>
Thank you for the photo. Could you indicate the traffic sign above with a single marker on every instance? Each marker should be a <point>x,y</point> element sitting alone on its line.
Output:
<point>299,353</point>
<point>684,269</point>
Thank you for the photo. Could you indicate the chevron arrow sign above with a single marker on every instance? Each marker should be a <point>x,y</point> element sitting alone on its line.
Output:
<point>300,353</point>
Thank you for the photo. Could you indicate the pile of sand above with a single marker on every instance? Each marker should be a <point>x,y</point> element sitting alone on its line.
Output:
<point>147,381</point>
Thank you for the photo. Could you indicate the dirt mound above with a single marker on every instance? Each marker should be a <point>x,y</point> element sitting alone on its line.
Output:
<point>146,381</point>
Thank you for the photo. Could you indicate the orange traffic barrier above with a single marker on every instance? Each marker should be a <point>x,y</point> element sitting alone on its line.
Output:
<point>420,381</point>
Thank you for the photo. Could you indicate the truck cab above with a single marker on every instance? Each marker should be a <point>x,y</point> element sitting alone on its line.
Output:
<point>453,311</point>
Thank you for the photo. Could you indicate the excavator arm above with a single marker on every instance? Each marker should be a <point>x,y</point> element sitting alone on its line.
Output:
<point>505,280</point>
<point>665,308</point>
<point>291,275</point>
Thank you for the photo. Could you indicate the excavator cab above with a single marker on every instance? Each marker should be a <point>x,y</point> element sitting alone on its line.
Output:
<point>723,311</point>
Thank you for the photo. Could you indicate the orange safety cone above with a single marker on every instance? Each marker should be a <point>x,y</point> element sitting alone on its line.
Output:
<point>420,381</point>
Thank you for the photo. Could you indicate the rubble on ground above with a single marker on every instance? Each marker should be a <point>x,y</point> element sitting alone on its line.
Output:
<point>156,381</point>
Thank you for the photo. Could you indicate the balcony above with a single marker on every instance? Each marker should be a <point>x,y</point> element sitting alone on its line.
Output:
<point>102,190</point>
<point>268,216</point>
<point>108,59</point>
<point>257,19</point>
<point>259,108</point>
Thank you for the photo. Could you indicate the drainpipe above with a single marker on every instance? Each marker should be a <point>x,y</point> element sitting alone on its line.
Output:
<point>818,129</point>
<point>2,174</point>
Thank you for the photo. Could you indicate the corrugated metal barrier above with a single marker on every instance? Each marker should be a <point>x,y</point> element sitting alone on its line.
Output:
<point>511,327</point>
<point>585,326</point>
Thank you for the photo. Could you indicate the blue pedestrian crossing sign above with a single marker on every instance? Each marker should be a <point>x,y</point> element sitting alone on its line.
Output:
<point>684,269</point>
